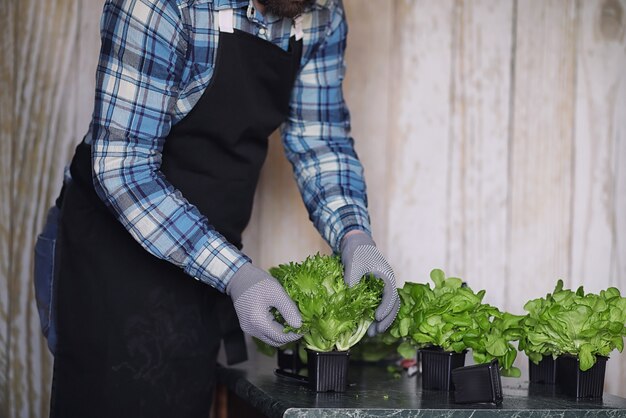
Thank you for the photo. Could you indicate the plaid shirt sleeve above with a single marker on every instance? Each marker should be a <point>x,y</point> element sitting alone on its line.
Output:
<point>138,81</point>
<point>318,144</point>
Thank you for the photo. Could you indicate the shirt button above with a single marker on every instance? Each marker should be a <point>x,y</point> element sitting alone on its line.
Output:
<point>262,31</point>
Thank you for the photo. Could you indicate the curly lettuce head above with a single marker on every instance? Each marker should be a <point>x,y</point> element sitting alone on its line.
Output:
<point>334,316</point>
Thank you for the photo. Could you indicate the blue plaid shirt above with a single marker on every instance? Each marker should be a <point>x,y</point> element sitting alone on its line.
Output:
<point>157,58</point>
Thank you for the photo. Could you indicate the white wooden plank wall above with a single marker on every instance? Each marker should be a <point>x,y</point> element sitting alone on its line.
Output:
<point>493,135</point>
<point>479,140</point>
<point>7,87</point>
<point>600,114</point>
<point>598,218</point>
<point>367,90</point>
<point>540,154</point>
<point>45,37</point>
<point>541,149</point>
<point>418,137</point>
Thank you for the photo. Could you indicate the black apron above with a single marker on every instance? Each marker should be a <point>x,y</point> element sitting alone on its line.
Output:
<point>137,337</point>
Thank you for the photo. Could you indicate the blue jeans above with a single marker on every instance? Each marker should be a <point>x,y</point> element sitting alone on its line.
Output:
<point>44,275</point>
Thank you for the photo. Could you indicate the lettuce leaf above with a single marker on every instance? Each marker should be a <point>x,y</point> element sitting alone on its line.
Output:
<point>334,316</point>
<point>451,316</point>
<point>568,322</point>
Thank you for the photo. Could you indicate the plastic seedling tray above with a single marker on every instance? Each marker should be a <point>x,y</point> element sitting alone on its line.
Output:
<point>328,371</point>
<point>544,372</point>
<point>290,360</point>
<point>480,383</point>
<point>576,383</point>
<point>437,366</point>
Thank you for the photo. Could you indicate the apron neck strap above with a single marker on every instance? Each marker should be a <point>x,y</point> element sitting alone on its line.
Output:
<point>226,18</point>
<point>226,22</point>
<point>296,29</point>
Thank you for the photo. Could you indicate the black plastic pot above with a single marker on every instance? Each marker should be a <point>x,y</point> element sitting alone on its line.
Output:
<point>544,372</point>
<point>576,383</point>
<point>290,360</point>
<point>437,366</point>
<point>328,371</point>
<point>480,383</point>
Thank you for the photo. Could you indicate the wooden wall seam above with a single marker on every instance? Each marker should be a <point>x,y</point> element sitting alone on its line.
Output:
<point>8,68</point>
<point>511,132</point>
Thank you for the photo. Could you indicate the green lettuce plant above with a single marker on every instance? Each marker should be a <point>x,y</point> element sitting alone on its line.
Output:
<point>497,331</point>
<point>452,317</point>
<point>568,322</point>
<point>334,316</point>
<point>438,316</point>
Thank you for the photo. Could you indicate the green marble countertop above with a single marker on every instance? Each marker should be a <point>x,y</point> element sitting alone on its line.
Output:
<point>376,393</point>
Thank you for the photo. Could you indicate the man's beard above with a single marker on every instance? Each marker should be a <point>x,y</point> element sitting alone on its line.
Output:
<point>287,8</point>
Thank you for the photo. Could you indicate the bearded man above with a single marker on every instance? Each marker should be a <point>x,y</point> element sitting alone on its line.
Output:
<point>149,272</point>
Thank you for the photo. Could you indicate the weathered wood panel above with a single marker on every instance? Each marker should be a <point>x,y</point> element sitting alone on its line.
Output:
<point>368,60</point>
<point>600,124</point>
<point>479,139</point>
<point>540,172</point>
<point>7,97</point>
<point>598,215</point>
<point>616,378</point>
<point>419,137</point>
<point>84,70</point>
<point>45,39</point>
<point>459,108</point>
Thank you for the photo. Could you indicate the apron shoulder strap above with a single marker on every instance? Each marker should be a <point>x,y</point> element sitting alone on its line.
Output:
<point>225,17</point>
<point>226,20</point>
<point>296,28</point>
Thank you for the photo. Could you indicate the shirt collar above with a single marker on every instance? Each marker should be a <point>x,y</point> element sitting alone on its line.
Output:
<point>230,4</point>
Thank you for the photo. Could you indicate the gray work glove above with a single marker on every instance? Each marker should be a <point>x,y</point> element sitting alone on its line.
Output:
<point>360,257</point>
<point>254,293</point>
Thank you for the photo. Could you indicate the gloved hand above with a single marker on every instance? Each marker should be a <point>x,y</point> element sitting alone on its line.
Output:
<point>360,257</point>
<point>254,293</point>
